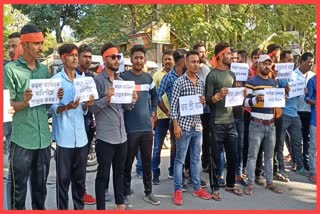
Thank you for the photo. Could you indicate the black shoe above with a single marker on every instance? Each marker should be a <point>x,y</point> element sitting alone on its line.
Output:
<point>203,184</point>
<point>156,181</point>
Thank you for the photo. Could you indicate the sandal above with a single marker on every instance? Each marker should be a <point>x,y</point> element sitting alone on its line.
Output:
<point>234,190</point>
<point>216,196</point>
<point>249,190</point>
<point>274,188</point>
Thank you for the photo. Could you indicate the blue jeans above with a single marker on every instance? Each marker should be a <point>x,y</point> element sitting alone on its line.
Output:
<point>313,150</point>
<point>293,126</point>
<point>239,123</point>
<point>160,134</point>
<point>261,134</point>
<point>193,140</point>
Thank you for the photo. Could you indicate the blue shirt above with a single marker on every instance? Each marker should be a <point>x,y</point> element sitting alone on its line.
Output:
<point>291,108</point>
<point>166,85</point>
<point>312,95</point>
<point>68,126</point>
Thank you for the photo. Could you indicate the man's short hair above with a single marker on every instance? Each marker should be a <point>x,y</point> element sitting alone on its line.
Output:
<point>305,56</point>
<point>198,45</point>
<point>192,52</point>
<point>106,46</point>
<point>179,54</point>
<point>66,48</point>
<point>284,53</point>
<point>29,28</point>
<point>256,52</point>
<point>272,47</point>
<point>233,50</point>
<point>14,35</point>
<point>220,47</point>
<point>243,54</point>
<point>84,48</point>
<point>137,48</point>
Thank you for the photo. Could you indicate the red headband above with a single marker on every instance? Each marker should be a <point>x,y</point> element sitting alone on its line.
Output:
<point>28,37</point>
<point>110,52</point>
<point>73,52</point>
<point>273,53</point>
<point>214,60</point>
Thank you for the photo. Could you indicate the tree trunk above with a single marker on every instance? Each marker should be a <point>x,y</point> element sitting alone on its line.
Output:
<point>133,19</point>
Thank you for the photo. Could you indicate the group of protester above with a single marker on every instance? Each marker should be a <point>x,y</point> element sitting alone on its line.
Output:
<point>248,137</point>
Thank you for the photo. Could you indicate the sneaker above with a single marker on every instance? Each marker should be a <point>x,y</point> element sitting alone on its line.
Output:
<point>92,159</point>
<point>178,198</point>
<point>88,199</point>
<point>170,176</point>
<point>302,171</point>
<point>203,184</point>
<point>127,201</point>
<point>280,177</point>
<point>184,188</point>
<point>139,175</point>
<point>202,194</point>
<point>156,181</point>
<point>260,181</point>
<point>151,199</point>
<point>108,196</point>
<point>284,173</point>
<point>221,182</point>
<point>293,166</point>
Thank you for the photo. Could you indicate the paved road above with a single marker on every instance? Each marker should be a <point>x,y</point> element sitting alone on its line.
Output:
<point>299,194</point>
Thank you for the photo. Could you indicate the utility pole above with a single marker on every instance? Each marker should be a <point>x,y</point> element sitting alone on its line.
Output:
<point>159,46</point>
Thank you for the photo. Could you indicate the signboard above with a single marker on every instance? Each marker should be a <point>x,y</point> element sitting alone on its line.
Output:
<point>297,88</point>
<point>160,33</point>
<point>6,106</point>
<point>123,91</point>
<point>85,87</point>
<point>234,97</point>
<point>190,105</point>
<point>141,39</point>
<point>240,70</point>
<point>44,91</point>
<point>284,70</point>
<point>274,97</point>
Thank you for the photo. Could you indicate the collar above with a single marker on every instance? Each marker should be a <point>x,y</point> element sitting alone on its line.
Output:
<point>65,76</point>
<point>23,61</point>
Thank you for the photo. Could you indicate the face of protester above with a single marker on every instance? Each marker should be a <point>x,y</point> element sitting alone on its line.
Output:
<point>307,65</point>
<point>168,62</point>
<point>85,59</point>
<point>71,60</point>
<point>276,58</point>
<point>202,54</point>
<point>138,60</point>
<point>12,45</point>
<point>255,60</point>
<point>112,62</point>
<point>240,59</point>
<point>264,67</point>
<point>193,63</point>
<point>226,58</point>
<point>288,58</point>
<point>234,57</point>
<point>32,49</point>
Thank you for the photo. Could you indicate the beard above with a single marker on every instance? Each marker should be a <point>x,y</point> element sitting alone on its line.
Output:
<point>112,68</point>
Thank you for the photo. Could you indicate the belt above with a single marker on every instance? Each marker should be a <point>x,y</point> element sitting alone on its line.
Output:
<point>264,122</point>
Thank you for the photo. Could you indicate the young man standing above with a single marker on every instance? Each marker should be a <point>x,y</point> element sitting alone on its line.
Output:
<point>138,123</point>
<point>69,133</point>
<point>111,136</point>
<point>188,129</point>
<point>31,138</point>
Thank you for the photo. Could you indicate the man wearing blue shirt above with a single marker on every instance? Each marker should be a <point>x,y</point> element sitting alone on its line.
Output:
<point>291,119</point>
<point>69,133</point>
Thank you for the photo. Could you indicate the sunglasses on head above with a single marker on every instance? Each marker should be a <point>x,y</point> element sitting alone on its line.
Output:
<point>113,56</point>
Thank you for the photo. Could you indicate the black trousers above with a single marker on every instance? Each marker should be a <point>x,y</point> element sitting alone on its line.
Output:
<point>205,119</point>
<point>278,124</point>
<point>71,166</point>
<point>305,118</point>
<point>143,140</point>
<point>259,164</point>
<point>223,135</point>
<point>107,155</point>
<point>33,163</point>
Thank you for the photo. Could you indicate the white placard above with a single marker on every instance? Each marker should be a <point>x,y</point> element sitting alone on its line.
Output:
<point>284,70</point>
<point>190,105</point>
<point>121,65</point>
<point>85,87</point>
<point>297,88</point>
<point>274,97</point>
<point>6,106</point>
<point>240,70</point>
<point>123,91</point>
<point>44,91</point>
<point>234,97</point>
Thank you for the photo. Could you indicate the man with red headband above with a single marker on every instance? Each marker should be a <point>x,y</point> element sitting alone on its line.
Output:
<point>31,136</point>
<point>224,133</point>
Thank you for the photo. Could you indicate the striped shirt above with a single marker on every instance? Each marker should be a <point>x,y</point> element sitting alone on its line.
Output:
<point>256,86</point>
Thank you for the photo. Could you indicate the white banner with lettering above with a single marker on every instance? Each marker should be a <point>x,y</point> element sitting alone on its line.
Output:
<point>284,70</point>
<point>190,105</point>
<point>85,87</point>
<point>241,70</point>
<point>234,97</point>
<point>6,106</point>
<point>274,97</point>
<point>123,91</point>
<point>44,91</point>
<point>297,88</point>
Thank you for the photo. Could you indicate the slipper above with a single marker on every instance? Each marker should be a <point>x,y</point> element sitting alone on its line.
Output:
<point>249,190</point>
<point>216,196</point>
<point>274,188</point>
<point>234,190</point>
